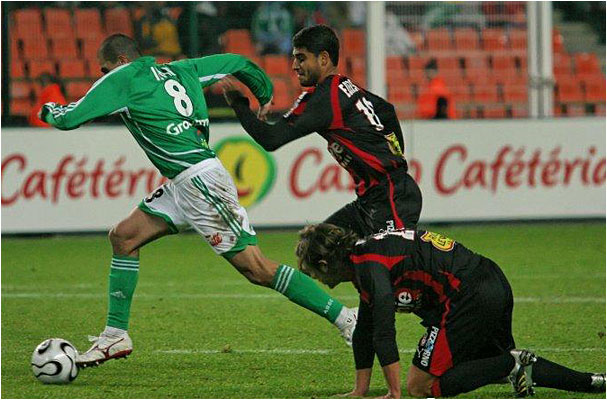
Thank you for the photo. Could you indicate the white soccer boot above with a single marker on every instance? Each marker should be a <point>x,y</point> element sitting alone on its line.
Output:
<point>520,376</point>
<point>105,348</point>
<point>346,323</point>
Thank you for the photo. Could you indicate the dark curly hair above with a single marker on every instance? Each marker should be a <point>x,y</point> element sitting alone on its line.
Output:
<point>324,242</point>
<point>318,38</point>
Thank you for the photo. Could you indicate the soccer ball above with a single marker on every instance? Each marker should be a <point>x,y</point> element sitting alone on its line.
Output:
<point>54,361</point>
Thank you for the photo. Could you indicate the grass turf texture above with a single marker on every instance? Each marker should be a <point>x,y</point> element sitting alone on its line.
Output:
<point>202,331</point>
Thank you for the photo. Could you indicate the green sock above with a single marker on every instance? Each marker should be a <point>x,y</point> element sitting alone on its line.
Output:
<point>302,290</point>
<point>124,272</point>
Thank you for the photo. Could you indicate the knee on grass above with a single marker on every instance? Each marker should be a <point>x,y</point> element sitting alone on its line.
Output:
<point>419,386</point>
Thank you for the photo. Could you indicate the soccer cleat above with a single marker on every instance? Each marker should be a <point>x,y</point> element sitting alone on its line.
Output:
<point>105,348</point>
<point>598,383</point>
<point>347,331</point>
<point>520,376</point>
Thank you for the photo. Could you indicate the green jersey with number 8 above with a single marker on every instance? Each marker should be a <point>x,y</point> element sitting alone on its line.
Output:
<point>163,105</point>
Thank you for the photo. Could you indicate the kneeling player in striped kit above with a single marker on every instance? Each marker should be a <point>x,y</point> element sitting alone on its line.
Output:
<point>164,109</point>
<point>463,298</point>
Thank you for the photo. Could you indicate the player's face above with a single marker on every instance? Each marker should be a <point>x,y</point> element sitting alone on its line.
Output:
<point>307,67</point>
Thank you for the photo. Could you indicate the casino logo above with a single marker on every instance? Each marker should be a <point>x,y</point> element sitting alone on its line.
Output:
<point>251,167</point>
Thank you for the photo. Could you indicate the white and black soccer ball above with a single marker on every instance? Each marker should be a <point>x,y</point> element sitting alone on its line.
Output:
<point>54,361</point>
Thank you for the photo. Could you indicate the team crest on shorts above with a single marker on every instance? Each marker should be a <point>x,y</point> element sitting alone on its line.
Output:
<point>215,239</point>
<point>439,241</point>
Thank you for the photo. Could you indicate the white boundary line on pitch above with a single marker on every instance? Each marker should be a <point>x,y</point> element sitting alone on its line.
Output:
<point>329,351</point>
<point>268,296</point>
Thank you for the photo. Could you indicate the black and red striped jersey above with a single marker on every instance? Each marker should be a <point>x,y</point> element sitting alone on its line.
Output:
<point>408,271</point>
<point>362,130</point>
<point>424,268</point>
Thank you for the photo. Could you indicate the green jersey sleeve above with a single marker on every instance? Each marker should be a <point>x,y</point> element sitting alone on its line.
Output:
<point>211,69</point>
<point>107,95</point>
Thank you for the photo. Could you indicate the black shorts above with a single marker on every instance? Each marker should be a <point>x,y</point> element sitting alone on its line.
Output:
<point>476,325</point>
<point>393,204</point>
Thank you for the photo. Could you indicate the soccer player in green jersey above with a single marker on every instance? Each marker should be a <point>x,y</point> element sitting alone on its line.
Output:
<point>164,109</point>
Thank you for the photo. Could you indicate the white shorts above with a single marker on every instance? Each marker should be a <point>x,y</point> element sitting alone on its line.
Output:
<point>204,198</point>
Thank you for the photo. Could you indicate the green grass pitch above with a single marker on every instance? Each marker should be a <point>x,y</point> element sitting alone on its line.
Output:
<point>202,331</point>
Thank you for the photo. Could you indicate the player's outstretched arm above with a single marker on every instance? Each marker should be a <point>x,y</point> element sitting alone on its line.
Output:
<point>108,95</point>
<point>213,68</point>
<point>273,136</point>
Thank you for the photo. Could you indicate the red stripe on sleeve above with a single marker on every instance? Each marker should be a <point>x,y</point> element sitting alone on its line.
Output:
<point>397,220</point>
<point>337,117</point>
<point>386,261</point>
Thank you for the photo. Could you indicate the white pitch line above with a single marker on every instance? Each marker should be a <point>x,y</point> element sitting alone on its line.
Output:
<point>333,351</point>
<point>270,296</point>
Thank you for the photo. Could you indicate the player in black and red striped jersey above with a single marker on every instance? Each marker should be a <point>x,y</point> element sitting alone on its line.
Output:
<point>464,300</point>
<point>362,131</point>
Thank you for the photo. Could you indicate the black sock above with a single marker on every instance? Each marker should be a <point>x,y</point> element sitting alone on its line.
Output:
<point>551,375</point>
<point>471,375</point>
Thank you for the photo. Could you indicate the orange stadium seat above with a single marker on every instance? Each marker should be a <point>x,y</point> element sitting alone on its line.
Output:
<point>569,91</point>
<point>76,90</point>
<point>595,89</point>
<point>17,69</point>
<point>87,23</point>
<point>353,42</point>
<point>64,48</point>
<point>20,107</point>
<point>93,70</point>
<point>72,68</point>
<point>27,23</point>
<point>20,90</point>
<point>15,50</point>
<point>586,63</point>
<point>34,49</point>
<point>238,41</point>
<point>515,94</point>
<point>58,23</point>
<point>561,64</point>
<point>276,65</point>
<point>90,47</point>
<point>485,93</point>
<point>518,39</point>
<point>503,62</point>
<point>466,39</point>
<point>494,111</point>
<point>118,20</point>
<point>447,65</point>
<point>438,39</point>
<point>356,66</point>
<point>461,93</point>
<point>400,92</point>
<point>394,63</point>
<point>282,94</point>
<point>493,39</point>
<point>38,67</point>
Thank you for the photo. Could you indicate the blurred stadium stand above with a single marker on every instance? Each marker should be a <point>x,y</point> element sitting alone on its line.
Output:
<point>480,50</point>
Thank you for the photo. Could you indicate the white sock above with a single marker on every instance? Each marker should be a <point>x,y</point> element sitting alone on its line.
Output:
<point>111,331</point>
<point>345,317</point>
